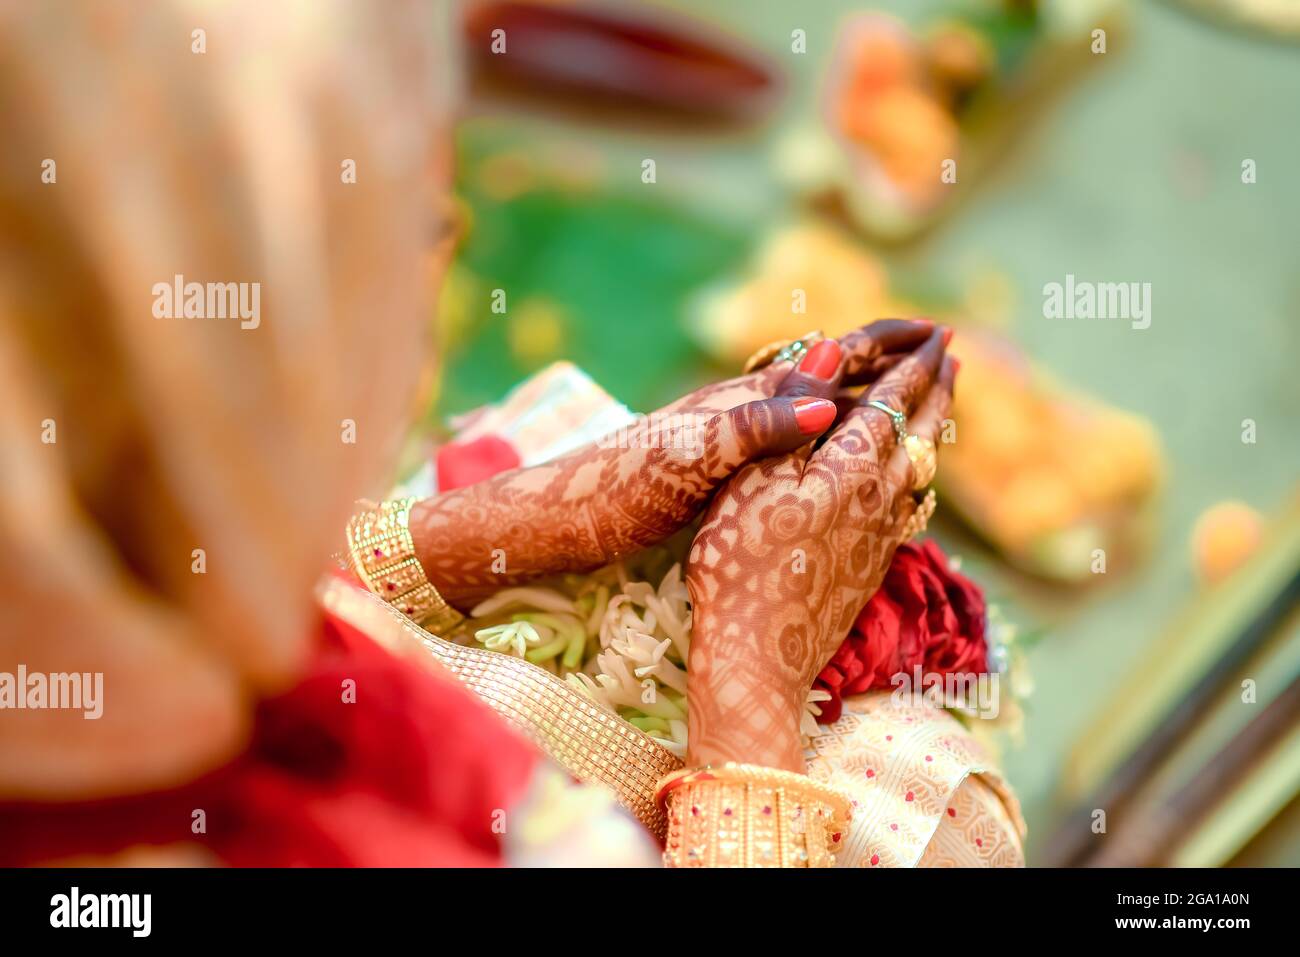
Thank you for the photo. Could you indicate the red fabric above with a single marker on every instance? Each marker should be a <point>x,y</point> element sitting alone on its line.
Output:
<point>924,614</point>
<point>408,775</point>
<point>465,463</point>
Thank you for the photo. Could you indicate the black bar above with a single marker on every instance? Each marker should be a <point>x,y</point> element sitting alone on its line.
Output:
<point>641,910</point>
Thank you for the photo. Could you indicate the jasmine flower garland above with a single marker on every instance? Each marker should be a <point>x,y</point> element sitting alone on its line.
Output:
<point>622,635</point>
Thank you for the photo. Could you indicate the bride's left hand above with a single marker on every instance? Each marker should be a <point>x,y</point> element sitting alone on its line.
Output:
<point>615,497</point>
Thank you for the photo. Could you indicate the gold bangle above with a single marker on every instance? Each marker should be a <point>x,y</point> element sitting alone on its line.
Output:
<point>382,554</point>
<point>741,815</point>
<point>918,520</point>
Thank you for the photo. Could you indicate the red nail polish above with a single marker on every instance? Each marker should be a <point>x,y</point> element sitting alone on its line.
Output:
<point>813,415</point>
<point>947,336</point>
<point>822,359</point>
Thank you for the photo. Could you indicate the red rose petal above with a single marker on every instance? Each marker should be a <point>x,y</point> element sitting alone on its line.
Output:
<point>466,463</point>
<point>924,615</point>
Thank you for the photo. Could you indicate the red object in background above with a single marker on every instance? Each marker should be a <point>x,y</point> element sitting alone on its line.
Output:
<point>466,463</point>
<point>408,774</point>
<point>606,57</point>
<point>924,614</point>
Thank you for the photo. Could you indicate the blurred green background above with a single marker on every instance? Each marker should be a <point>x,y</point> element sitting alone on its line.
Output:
<point>1132,174</point>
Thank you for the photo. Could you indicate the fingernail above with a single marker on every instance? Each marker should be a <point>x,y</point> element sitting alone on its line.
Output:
<point>813,415</point>
<point>947,336</point>
<point>956,365</point>
<point>822,359</point>
<point>927,323</point>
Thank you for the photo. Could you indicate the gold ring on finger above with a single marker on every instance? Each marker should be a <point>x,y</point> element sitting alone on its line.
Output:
<point>925,461</point>
<point>783,350</point>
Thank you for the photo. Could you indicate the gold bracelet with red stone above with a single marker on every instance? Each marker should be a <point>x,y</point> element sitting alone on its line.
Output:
<point>744,815</point>
<point>382,554</point>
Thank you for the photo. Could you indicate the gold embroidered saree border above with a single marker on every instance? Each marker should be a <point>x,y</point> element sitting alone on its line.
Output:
<point>579,735</point>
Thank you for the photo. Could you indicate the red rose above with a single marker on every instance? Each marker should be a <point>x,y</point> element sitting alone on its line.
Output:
<point>923,614</point>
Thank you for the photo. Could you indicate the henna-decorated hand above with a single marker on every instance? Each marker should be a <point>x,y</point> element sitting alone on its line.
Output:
<point>612,498</point>
<point>789,552</point>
